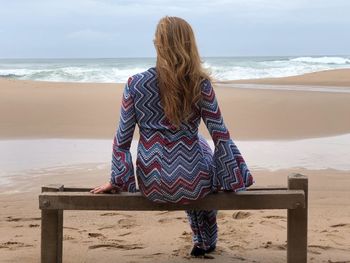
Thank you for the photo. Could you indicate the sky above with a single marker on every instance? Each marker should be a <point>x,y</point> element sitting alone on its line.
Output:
<point>125,28</point>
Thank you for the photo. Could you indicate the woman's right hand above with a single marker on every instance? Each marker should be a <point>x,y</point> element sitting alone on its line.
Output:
<point>108,187</point>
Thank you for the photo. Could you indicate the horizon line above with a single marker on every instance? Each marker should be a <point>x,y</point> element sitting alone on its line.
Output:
<point>146,57</point>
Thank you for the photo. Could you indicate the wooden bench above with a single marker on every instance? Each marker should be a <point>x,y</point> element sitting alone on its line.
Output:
<point>56,198</point>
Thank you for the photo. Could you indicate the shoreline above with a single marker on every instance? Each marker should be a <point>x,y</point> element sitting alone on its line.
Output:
<point>46,155</point>
<point>330,77</point>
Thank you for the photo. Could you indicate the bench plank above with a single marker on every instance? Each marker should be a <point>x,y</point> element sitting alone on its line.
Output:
<point>87,189</point>
<point>244,200</point>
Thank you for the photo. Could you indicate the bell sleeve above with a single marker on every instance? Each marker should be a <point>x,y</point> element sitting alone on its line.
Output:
<point>122,170</point>
<point>229,169</point>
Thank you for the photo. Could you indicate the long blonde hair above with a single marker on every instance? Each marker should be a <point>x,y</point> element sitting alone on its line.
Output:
<point>179,68</point>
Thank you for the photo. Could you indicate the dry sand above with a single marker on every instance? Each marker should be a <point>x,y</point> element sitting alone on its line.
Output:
<point>60,110</point>
<point>30,109</point>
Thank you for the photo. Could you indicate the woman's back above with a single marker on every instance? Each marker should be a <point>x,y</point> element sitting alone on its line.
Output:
<point>175,164</point>
<point>149,109</point>
<point>170,163</point>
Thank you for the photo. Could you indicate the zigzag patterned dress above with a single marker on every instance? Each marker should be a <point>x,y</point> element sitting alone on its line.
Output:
<point>176,165</point>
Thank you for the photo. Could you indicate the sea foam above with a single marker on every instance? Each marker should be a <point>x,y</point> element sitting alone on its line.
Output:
<point>119,69</point>
<point>323,60</point>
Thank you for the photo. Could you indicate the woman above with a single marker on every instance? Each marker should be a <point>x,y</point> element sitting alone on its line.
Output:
<point>174,163</point>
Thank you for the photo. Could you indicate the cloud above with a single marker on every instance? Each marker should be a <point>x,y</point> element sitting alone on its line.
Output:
<point>254,9</point>
<point>126,27</point>
<point>89,34</point>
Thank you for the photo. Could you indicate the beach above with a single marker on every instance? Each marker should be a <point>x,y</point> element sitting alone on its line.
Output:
<point>270,114</point>
<point>85,110</point>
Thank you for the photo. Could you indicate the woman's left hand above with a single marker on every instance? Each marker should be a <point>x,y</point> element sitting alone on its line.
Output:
<point>108,187</point>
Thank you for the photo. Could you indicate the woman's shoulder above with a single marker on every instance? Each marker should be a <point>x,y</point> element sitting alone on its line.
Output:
<point>142,76</point>
<point>206,86</point>
<point>142,81</point>
<point>149,73</point>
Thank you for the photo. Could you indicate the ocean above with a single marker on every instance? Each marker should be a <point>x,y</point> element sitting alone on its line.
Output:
<point>117,70</point>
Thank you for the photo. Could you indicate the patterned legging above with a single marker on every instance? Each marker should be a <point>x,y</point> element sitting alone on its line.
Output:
<point>204,227</point>
<point>203,222</point>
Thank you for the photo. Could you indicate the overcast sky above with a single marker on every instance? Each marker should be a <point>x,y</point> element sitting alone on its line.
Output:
<point>125,28</point>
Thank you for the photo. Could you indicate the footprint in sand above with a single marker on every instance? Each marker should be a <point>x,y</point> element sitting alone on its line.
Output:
<point>274,217</point>
<point>187,236</point>
<point>114,241</point>
<point>67,237</point>
<point>106,227</point>
<point>338,240</point>
<point>241,215</point>
<point>163,213</point>
<point>325,248</point>
<point>238,258</point>
<point>331,261</point>
<point>269,244</point>
<point>320,247</point>
<point>68,227</point>
<point>314,252</point>
<point>165,220</point>
<point>115,245</point>
<point>341,225</point>
<point>13,245</point>
<point>98,235</point>
<point>236,247</point>
<point>223,221</point>
<point>175,252</point>
<point>125,234</point>
<point>271,224</point>
<point>228,232</point>
<point>115,214</point>
<point>147,256</point>
<point>127,223</point>
<point>331,236</point>
<point>220,215</point>
<point>183,251</point>
<point>17,219</point>
<point>183,220</point>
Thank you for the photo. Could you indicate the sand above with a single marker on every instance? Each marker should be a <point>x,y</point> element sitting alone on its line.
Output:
<point>247,236</point>
<point>79,110</point>
<point>65,110</point>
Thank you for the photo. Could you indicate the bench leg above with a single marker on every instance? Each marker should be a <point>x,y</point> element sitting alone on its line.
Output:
<point>51,230</point>
<point>51,235</point>
<point>297,223</point>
